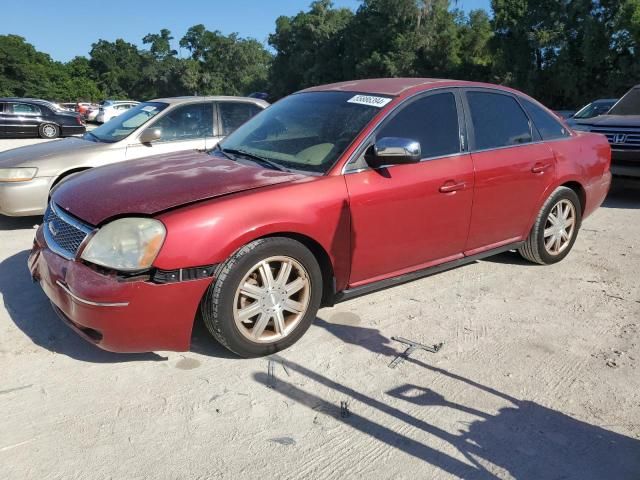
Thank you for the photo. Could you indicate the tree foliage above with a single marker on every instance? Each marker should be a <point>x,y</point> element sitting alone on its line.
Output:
<point>564,52</point>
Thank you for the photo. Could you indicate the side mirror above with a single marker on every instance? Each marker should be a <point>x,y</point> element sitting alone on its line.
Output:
<point>150,135</point>
<point>393,151</point>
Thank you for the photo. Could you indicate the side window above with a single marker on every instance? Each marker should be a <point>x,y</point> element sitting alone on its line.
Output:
<point>187,122</point>
<point>234,114</point>
<point>498,120</point>
<point>432,121</point>
<point>548,126</point>
<point>24,109</point>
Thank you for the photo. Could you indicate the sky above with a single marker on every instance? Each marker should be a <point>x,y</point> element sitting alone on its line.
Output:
<point>68,28</point>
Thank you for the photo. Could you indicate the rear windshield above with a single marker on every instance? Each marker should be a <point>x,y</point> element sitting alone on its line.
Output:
<point>629,104</point>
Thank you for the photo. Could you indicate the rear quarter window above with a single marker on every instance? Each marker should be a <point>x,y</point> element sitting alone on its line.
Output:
<point>549,127</point>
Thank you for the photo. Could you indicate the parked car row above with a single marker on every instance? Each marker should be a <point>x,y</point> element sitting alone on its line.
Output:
<point>27,174</point>
<point>328,194</point>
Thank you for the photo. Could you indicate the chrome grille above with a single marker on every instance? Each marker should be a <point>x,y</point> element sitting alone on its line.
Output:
<point>63,233</point>
<point>620,137</point>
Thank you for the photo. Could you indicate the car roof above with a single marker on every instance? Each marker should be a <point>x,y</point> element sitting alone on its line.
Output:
<point>605,100</point>
<point>216,98</point>
<point>399,86</point>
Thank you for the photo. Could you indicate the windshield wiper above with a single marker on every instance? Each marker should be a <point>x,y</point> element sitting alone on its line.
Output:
<point>253,156</point>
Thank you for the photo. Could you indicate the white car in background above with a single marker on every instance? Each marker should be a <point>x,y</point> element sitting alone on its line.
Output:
<point>111,110</point>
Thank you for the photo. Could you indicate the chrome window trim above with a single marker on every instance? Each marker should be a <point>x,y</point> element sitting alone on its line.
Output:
<point>89,302</point>
<point>537,142</point>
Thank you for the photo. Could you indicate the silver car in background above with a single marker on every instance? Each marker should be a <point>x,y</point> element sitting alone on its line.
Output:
<point>108,111</point>
<point>27,174</point>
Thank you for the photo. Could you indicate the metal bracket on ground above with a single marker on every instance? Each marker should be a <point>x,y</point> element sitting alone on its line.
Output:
<point>412,347</point>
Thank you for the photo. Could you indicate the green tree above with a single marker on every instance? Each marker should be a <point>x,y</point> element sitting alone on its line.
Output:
<point>309,48</point>
<point>117,66</point>
<point>25,72</point>
<point>226,64</point>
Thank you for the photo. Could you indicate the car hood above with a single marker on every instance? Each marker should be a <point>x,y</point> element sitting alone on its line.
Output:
<point>34,155</point>
<point>612,121</point>
<point>150,185</point>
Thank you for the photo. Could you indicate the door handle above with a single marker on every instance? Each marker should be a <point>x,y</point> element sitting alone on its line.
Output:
<point>540,167</point>
<point>451,186</point>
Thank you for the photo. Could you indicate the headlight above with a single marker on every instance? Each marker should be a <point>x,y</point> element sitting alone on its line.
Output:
<point>17,174</point>
<point>128,244</point>
<point>581,128</point>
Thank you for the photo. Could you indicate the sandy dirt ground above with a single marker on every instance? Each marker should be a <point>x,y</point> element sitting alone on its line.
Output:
<point>538,379</point>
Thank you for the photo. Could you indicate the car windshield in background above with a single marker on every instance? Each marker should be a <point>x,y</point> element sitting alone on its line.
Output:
<point>594,109</point>
<point>121,126</point>
<point>305,131</point>
<point>629,104</point>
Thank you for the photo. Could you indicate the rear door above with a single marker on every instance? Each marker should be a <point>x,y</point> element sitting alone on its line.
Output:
<point>512,168</point>
<point>184,127</point>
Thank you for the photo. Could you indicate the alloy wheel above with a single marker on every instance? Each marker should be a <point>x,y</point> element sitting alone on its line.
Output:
<point>560,227</point>
<point>49,131</point>
<point>271,299</point>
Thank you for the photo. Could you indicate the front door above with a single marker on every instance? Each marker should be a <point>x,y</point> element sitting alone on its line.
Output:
<point>185,127</point>
<point>408,217</point>
<point>511,170</point>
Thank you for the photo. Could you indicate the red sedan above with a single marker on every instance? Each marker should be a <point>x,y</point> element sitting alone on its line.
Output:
<point>331,193</point>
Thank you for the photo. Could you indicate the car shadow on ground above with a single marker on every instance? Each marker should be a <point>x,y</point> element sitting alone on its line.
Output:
<point>624,193</point>
<point>30,310</point>
<point>511,257</point>
<point>19,223</point>
<point>521,440</point>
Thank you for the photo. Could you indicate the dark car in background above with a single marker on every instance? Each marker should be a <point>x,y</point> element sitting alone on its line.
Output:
<point>621,126</point>
<point>29,117</point>
<point>593,109</point>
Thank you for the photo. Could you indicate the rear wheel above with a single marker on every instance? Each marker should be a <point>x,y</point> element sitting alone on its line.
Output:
<point>264,297</point>
<point>555,230</point>
<point>49,130</point>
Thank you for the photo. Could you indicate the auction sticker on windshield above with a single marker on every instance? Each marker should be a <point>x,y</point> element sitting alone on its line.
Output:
<point>370,100</point>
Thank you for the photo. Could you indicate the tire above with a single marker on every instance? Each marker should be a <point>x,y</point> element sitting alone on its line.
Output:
<point>226,306</point>
<point>49,130</point>
<point>549,250</point>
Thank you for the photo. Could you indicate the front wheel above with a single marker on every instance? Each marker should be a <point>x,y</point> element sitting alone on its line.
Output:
<point>556,228</point>
<point>49,130</point>
<point>264,297</point>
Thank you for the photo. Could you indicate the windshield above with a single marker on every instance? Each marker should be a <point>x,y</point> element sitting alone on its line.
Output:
<point>121,126</point>
<point>629,104</point>
<point>594,109</point>
<point>305,131</point>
